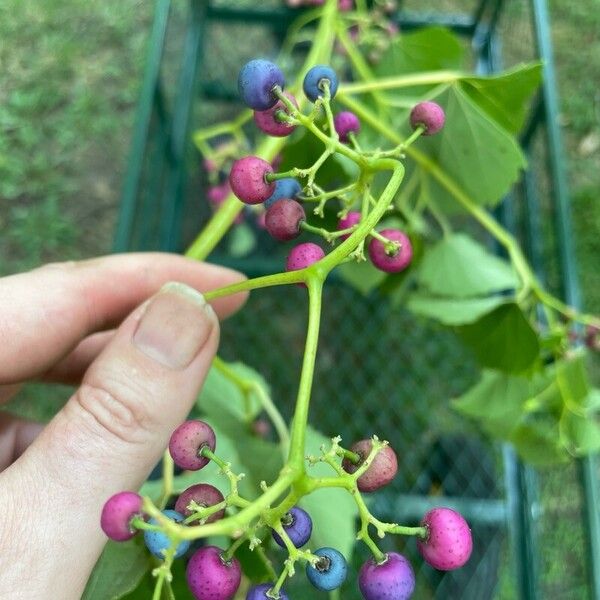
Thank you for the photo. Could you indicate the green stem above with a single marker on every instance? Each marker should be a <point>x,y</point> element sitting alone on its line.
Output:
<point>168,472</point>
<point>402,81</point>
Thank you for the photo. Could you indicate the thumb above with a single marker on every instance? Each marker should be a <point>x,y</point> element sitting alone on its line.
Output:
<point>111,432</point>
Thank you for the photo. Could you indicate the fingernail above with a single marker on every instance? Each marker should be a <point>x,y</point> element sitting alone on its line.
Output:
<point>175,325</point>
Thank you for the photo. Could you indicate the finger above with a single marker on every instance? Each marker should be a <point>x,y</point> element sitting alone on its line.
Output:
<point>15,437</point>
<point>45,313</point>
<point>112,431</point>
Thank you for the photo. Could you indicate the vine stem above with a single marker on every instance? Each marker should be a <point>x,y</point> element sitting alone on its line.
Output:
<point>391,83</point>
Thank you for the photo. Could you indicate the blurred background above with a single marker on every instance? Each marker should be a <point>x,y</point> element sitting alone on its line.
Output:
<point>70,76</point>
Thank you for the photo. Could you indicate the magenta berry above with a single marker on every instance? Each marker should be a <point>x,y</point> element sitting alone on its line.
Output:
<point>248,182</point>
<point>393,579</point>
<point>449,543</point>
<point>346,122</point>
<point>391,262</point>
<point>117,513</point>
<point>211,577</point>
<point>283,219</point>
<point>381,471</point>
<point>428,114</point>
<point>303,255</point>
<point>351,219</point>
<point>202,494</point>
<point>266,120</point>
<point>187,441</point>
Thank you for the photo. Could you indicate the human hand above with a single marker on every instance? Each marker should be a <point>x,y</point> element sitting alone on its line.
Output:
<point>139,353</point>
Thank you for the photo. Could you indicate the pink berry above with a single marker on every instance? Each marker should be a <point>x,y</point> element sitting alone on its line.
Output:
<point>117,513</point>
<point>345,5</point>
<point>210,577</point>
<point>247,179</point>
<point>449,543</point>
<point>216,194</point>
<point>350,220</point>
<point>428,114</point>
<point>380,472</point>
<point>260,220</point>
<point>303,255</point>
<point>209,165</point>
<point>187,441</point>
<point>346,122</point>
<point>283,219</point>
<point>202,494</point>
<point>391,263</point>
<point>266,119</point>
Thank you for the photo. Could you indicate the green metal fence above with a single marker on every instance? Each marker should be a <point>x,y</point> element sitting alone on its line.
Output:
<point>536,534</point>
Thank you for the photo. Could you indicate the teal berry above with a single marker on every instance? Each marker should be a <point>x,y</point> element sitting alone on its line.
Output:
<point>288,187</point>
<point>158,542</point>
<point>314,80</point>
<point>256,81</point>
<point>329,572</point>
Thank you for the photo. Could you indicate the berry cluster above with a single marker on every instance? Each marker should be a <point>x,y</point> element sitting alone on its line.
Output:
<point>215,574</point>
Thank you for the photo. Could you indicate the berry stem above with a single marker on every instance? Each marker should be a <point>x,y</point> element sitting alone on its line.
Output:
<point>351,456</point>
<point>168,467</point>
<point>401,81</point>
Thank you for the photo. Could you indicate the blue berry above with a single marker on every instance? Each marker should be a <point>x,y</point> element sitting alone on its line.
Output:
<point>329,571</point>
<point>256,81</point>
<point>259,592</point>
<point>158,542</point>
<point>298,525</point>
<point>284,188</point>
<point>314,77</point>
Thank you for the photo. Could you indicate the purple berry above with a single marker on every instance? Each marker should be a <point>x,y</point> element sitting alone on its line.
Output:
<point>256,81</point>
<point>351,219</point>
<point>283,219</point>
<point>393,579</point>
<point>259,592</point>
<point>117,513</point>
<point>187,441</point>
<point>248,182</point>
<point>202,494</point>
<point>303,255</point>
<point>210,577</point>
<point>428,114</point>
<point>381,471</point>
<point>266,119</point>
<point>346,122</point>
<point>298,525</point>
<point>313,82</point>
<point>391,263</point>
<point>448,544</point>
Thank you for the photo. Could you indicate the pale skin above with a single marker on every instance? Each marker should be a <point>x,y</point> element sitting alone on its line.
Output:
<point>137,356</point>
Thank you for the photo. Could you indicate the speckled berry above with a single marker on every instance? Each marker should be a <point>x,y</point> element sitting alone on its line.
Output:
<point>288,187</point>
<point>346,122</point>
<point>117,513</point>
<point>330,570</point>
<point>187,441</point>
<point>256,81</point>
<point>393,579</point>
<point>266,120</point>
<point>395,261</point>
<point>298,526</point>
<point>350,220</point>
<point>247,179</point>
<point>380,472</point>
<point>429,115</point>
<point>158,542</point>
<point>283,219</point>
<point>449,543</point>
<point>204,495</point>
<point>314,79</point>
<point>210,577</point>
<point>259,592</point>
<point>303,255</point>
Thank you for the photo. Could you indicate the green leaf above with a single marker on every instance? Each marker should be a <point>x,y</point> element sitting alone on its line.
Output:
<point>362,276</point>
<point>473,150</point>
<point>592,403</point>
<point>241,240</point>
<point>580,435</point>
<point>572,379</point>
<point>502,339</point>
<point>118,571</point>
<point>538,443</point>
<point>332,510</point>
<point>505,97</point>
<point>452,311</point>
<point>459,266</point>
<point>252,565</point>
